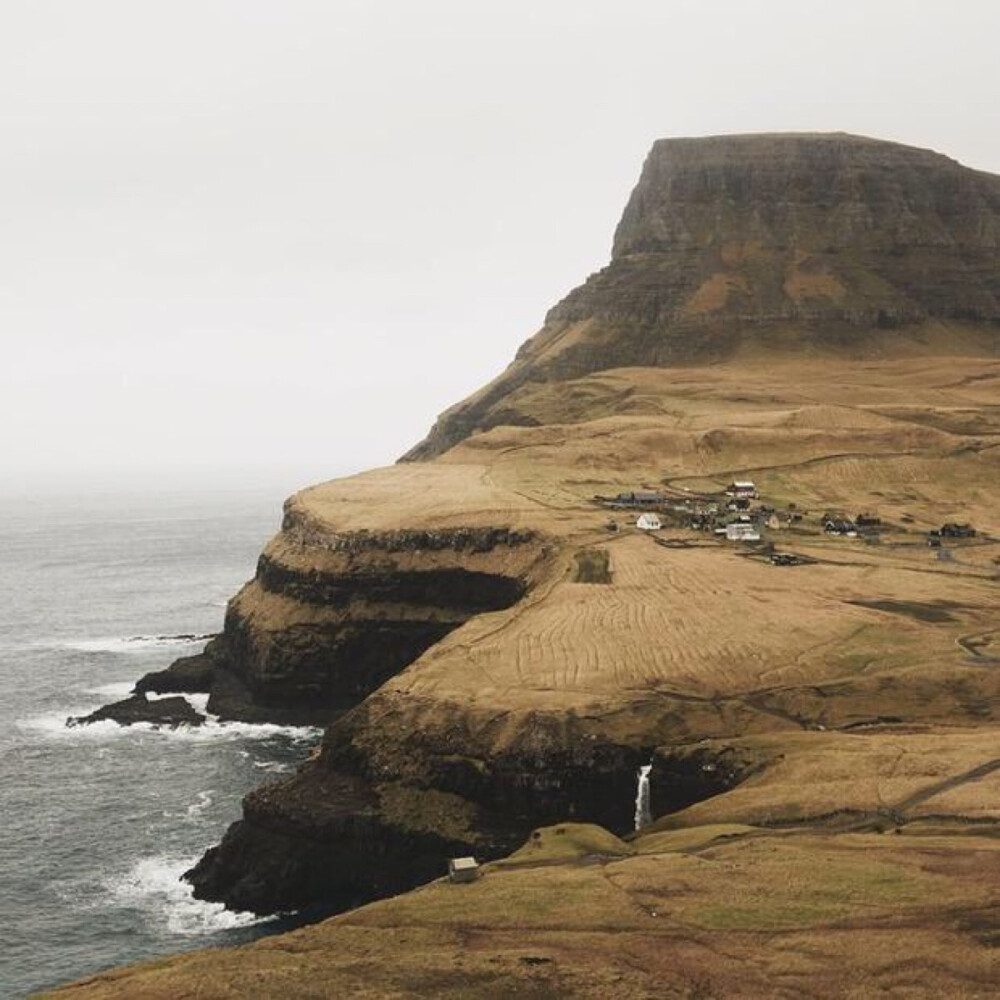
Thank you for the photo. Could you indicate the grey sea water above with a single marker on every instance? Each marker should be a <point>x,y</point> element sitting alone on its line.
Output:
<point>99,823</point>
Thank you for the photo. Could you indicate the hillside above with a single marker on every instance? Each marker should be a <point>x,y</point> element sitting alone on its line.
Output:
<point>835,245</point>
<point>490,653</point>
<point>722,911</point>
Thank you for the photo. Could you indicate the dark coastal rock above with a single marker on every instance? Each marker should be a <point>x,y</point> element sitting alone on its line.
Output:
<point>172,712</point>
<point>187,675</point>
<point>356,825</point>
<point>326,837</point>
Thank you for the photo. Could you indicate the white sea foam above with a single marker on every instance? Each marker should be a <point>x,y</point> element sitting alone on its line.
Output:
<point>201,803</point>
<point>52,725</point>
<point>125,644</point>
<point>198,701</point>
<point>116,689</point>
<point>153,886</point>
<point>273,766</point>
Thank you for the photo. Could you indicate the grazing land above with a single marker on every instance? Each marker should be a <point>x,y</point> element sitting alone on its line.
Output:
<point>718,911</point>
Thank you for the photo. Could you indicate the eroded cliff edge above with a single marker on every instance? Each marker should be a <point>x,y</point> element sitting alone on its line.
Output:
<point>332,614</point>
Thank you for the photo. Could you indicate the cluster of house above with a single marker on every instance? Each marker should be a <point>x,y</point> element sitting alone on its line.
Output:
<point>864,525</point>
<point>734,526</point>
<point>949,530</point>
<point>952,530</point>
<point>739,524</point>
<point>868,526</point>
<point>733,518</point>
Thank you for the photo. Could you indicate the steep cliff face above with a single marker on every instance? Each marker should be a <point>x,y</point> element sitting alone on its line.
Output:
<point>331,615</point>
<point>815,243</point>
<point>400,787</point>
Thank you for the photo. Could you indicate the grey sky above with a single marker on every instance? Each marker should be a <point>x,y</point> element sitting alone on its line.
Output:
<point>241,236</point>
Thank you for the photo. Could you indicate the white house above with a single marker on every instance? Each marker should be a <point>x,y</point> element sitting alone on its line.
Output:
<point>743,489</point>
<point>741,531</point>
<point>648,522</point>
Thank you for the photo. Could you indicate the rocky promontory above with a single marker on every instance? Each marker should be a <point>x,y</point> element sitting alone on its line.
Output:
<point>332,614</point>
<point>170,712</point>
<point>818,314</point>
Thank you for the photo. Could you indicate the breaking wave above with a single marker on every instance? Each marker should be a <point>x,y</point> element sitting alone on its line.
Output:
<point>52,725</point>
<point>153,886</point>
<point>200,804</point>
<point>128,644</point>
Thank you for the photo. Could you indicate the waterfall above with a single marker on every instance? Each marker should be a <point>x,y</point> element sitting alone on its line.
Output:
<point>642,813</point>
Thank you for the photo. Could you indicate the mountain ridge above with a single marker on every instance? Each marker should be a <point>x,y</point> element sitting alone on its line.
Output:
<point>789,242</point>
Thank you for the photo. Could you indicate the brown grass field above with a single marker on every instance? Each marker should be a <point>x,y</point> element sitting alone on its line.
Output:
<point>734,911</point>
<point>864,682</point>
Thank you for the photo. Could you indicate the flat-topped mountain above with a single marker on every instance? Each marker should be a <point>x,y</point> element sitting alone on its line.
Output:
<point>812,192</point>
<point>784,243</point>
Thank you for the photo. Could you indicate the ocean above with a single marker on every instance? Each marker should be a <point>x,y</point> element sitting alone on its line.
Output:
<point>99,822</point>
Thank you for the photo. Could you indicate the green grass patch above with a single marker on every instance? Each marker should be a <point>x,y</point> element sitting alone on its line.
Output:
<point>566,842</point>
<point>593,566</point>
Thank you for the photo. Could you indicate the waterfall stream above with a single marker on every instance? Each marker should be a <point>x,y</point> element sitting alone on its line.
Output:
<point>642,814</point>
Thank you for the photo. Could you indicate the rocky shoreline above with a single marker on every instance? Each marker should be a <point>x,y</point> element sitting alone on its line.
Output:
<point>327,619</point>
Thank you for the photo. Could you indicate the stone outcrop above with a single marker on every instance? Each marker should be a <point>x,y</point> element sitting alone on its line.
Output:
<point>386,803</point>
<point>801,242</point>
<point>187,675</point>
<point>330,616</point>
<point>171,712</point>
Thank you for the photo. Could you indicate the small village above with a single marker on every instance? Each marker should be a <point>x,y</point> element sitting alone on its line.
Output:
<point>738,515</point>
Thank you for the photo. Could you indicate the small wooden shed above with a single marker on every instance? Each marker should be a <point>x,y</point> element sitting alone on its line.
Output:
<point>463,869</point>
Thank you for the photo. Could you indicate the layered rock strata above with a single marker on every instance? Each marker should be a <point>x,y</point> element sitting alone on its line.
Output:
<point>833,243</point>
<point>846,292</point>
<point>330,616</point>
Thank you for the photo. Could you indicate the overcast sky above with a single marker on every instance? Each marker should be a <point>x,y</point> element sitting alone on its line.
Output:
<point>245,239</point>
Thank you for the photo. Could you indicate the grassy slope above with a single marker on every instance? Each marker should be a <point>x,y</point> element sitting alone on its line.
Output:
<point>753,892</point>
<point>734,912</point>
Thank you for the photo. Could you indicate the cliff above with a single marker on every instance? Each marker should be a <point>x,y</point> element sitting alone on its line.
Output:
<point>478,679</point>
<point>542,708</point>
<point>832,244</point>
<point>337,608</point>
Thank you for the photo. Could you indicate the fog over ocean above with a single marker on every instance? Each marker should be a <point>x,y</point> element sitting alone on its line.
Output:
<point>99,822</point>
